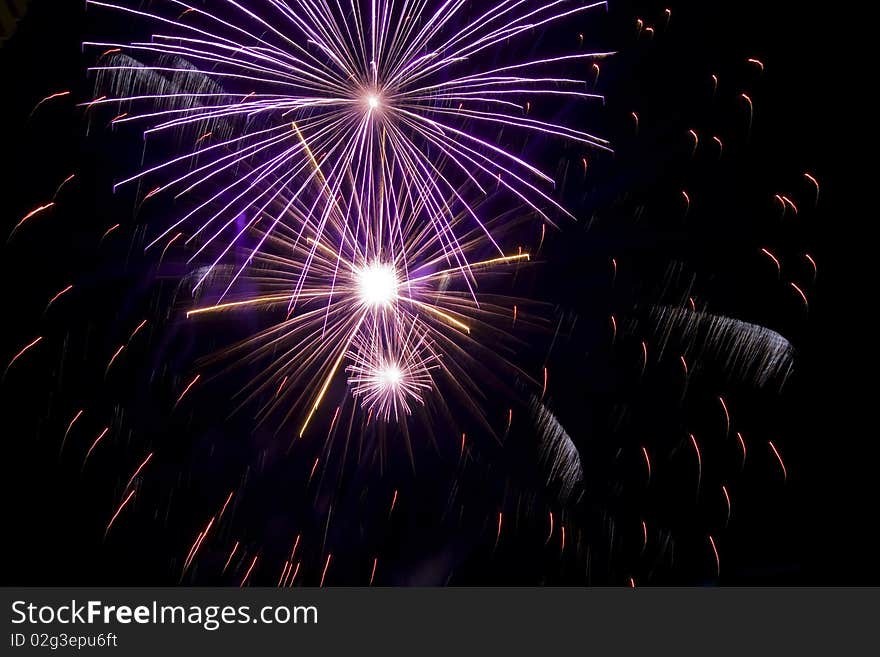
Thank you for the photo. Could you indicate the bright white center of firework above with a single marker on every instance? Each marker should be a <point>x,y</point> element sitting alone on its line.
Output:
<point>390,376</point>
<point>373,101</point>
<point>377,284</point>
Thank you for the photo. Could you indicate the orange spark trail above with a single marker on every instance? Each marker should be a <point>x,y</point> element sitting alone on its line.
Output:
<point>137,329</point>
<point>726,415</point>
<point>727,499</point>
<point>21,353</point>
<point>544,389</point>
<point>693,133</point>
<point>108,231</point>
<point>802,295</point>
<point>314,467</point>
<point>647,461</point>
<point>613,329</point>
<point>550,533</point>
<point>498,535</point>
<point>756,62</point>
<point>326,566</point>
<point>249,570</point>
<point>699,461</point>
<point>644,535</point>
<point>813,264</point>
<point>632,583</point>
<point>393,503</point>
<point>684,364</point>
<point>37,210</point>
<point>562,544</point>
<point>138,471</point>
<point>715,551</point>
<point>373,573</point>
<point>815,182</point>
<point>231,554</point>
<point>186,390</point>
<point>687,201</point>
<point>742,444</point>
<point>775,260</point>
<point>58,94</point>
<point>69,427</point>
<point>57,296</point>
<point>720,143</point>
<point>644,356</point>
<point>295,572</point>
<point>113,358</point>
<point>118,511</point>
<point>790,204</point>
<point>226,504</point>
<point>63,183</point>
<point>95,444</point>
<point>779,458</point>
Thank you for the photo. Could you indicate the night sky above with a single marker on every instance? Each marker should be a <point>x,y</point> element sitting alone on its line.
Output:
<point>630,211</point>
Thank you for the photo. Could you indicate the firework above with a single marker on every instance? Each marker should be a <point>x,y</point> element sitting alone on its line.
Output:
<point>374,96</point>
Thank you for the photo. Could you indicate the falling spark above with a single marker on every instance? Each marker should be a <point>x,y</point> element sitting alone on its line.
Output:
<point>229,560</point>
<point>699,461</point>
<point>37,210</point>
<point>742,444</point>
<point>324,573</point>
<point>21,353</point>
<point>58,296</point>
<point>118,511</point>
<point>647,462</point>
<point>727,500</point>
<point>249,570</point>
<point>801,294</point>
<point>69,427</point>
<point>726,415</point>
<point>715,552</point>
<point>756,62</point>
<point>58,94</point>
<point>373,571</point>
<point>95,444</point>
<point>775,260</point>
<point>779,458</point>
<point>186,390</point>
<point>815,182</point>
<point>138,470</point>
